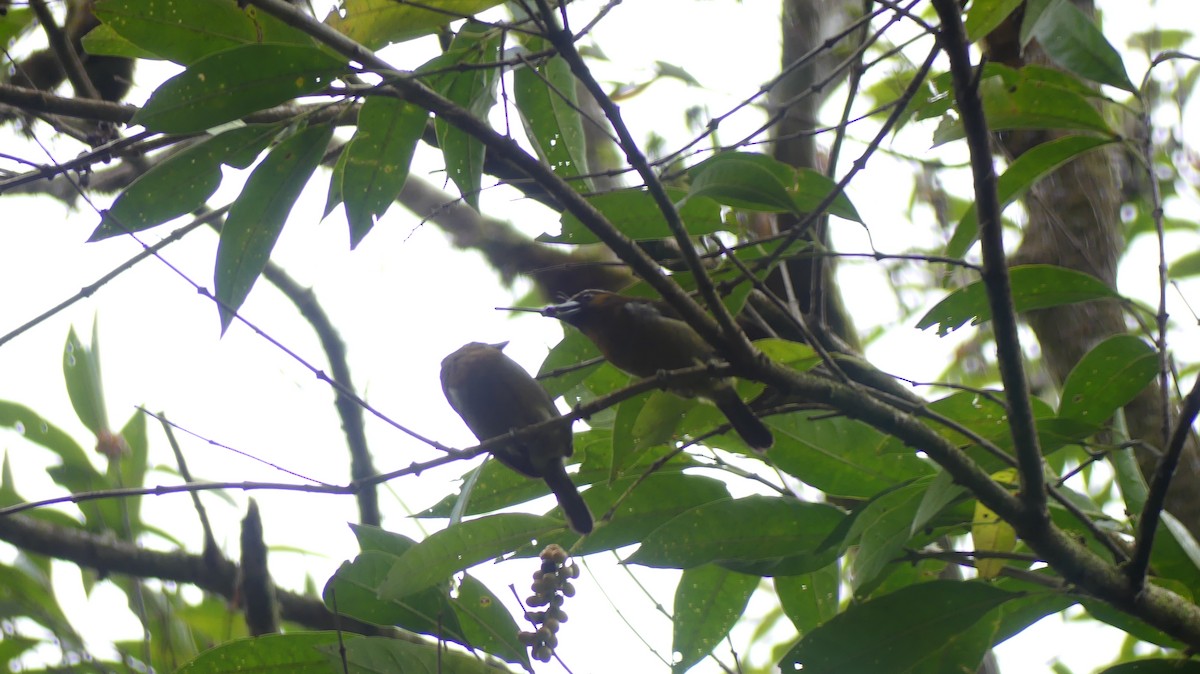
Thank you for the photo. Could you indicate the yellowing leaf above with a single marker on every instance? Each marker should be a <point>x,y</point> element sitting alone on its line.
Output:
<point>992,534</point>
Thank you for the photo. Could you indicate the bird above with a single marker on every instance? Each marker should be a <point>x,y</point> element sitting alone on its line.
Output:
<point>644,337</point>
<point>494,395</point>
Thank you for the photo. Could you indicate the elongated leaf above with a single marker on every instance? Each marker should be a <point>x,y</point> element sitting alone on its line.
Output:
<point>545,95</point>
<point>882,529</point>
<point>185,32</point>
<point>809,599</point>
<point>634,212</point>
<point>376,23</point>
<point>472,87</point>
<point>906,627</point>
<point>130,471</point>
<point>33,427</point>
<point>1072,40</point>
<point>656,501</point>
<point>295,652</point>
<point>383,654</point>
<point>451,550</point>
<point>985,15</point>
<point>745,180</point>
<point>1034,286</point>
<point>104,41</point>
<point>840,456</point>
<point>992,534</point>
<point>81,369</point>
<point>486,623</point>
<point>941,493</point>
<point>257,217</point>
<point>182,183</point>
<point>377,160</point>
<point>812,187</point>
<point>1032,98</point>
<point>230,84</point>
<point>1107,378</point>
<point>624,442</point>
<point>1021,175</point>
<point>709,600</point>
<point>1186,265</point>
<point>747,529</point>
<point>1155,666</point>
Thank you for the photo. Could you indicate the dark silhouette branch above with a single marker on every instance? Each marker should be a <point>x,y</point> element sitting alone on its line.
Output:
<point>953,42</point>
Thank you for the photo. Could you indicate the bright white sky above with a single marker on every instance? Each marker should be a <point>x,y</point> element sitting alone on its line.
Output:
<point>401,302</point>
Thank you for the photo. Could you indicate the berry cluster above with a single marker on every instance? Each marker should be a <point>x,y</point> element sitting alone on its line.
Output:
<point>551,585</point>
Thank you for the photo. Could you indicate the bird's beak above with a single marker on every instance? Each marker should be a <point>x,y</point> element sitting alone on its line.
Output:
<point>562,311</point>
<point>499,346</point>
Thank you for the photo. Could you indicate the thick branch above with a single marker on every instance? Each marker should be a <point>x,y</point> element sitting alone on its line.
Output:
<point>1078,565</point>
<point>995,269</point>
<point>108,555</point>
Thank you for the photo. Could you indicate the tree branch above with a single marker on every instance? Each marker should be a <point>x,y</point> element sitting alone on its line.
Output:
<point>995,268</point>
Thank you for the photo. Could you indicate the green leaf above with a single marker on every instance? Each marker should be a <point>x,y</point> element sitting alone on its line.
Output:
<point>812,187</point>
<point>563,358</point>
<point>1186,265</point>
<point>709,600</point>
<point>374,655</point>
<point>1020,613</point>
<point>658,419</point>
<point>104,41</point>
<point>881,529</point>
<point>375,23</point>
<point>181,183</point>
<point>1129,624</point>
<point>985,15</point>
<point>14,23</point>
<point>486,623</point>
<point>1072,40</point>
<point>1021,175</point>
<point>295,653</point>
<point>1128,474</point>
<point>30,425</point>
<point>1035,286</point>
<point>1107,378</point>
<point>130,471</point>
<point>799,357</point>
<point>1030,98</point>
<point>660,498</point>
<point>377,160</point>
<point>839,456</point>
<point>624,443</point>
<point>446,552</point>
<point>635,213</point>
<point>755,528</point>
<point>457,76</point>
<point>941,493</point>
<point>186,32</point>
<point>546,101</point>
<point>81,370</point>
<point>1155,666</point>
<point>258,215</point>
<point>231,84</point>
<point>352,590</point>
<point>906,628</point>
<point>745,180</point>
<point>809,599</point>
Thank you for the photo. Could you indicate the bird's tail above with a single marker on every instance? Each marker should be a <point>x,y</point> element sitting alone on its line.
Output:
<point>572,504</point>
<point>752,430</point>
